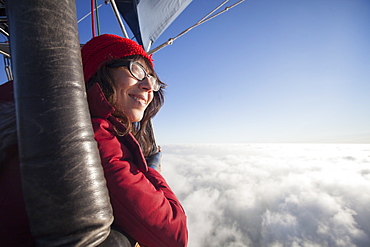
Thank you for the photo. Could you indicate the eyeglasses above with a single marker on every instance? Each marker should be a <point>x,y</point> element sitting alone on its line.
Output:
<point>138,72</point>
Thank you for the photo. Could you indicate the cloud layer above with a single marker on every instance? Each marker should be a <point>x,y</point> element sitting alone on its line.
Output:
<point>272,194</point>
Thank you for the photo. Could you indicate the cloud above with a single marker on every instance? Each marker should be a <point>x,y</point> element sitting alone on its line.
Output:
<point>272,195</point>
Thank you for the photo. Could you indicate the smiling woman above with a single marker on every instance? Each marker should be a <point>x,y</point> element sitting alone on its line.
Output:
<point>124,93</point>
<point>135,95</point>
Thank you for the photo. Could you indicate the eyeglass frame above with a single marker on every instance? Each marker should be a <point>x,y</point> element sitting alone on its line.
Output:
<point>156,86</point>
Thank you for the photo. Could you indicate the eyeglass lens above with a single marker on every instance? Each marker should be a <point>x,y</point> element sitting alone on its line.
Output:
<point>139,72</point>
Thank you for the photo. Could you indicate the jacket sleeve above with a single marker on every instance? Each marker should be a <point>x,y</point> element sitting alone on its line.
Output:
<point>143,204</point>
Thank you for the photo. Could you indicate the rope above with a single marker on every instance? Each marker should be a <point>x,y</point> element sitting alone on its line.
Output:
<point>4,32</point>
<point>205,17</point>
<point>8,69</point>
<point>93,18</point>
<point>87,14</point>
<point>115,10</point>
<point>97,17</point>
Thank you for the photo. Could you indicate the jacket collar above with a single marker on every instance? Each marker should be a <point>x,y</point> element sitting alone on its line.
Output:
<point>100,108</point>
<point>98,104</point>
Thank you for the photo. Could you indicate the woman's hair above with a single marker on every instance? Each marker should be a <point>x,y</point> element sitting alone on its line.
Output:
<point>141,130</point>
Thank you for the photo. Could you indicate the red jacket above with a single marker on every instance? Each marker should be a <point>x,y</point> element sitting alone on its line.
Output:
<point>14,227</point>
<point>143,204</point>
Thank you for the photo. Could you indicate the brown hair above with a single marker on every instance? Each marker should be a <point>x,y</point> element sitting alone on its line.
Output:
<point>141,130</point>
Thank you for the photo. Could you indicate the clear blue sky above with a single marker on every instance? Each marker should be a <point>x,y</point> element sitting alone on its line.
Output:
<point>265,71</point>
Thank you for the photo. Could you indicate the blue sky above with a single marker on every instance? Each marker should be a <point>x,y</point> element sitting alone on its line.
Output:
<point>269,71</point>
<point>264,71</point>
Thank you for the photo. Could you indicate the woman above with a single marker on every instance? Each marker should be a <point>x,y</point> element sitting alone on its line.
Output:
<point>124,93</point>
<point>143,204</point>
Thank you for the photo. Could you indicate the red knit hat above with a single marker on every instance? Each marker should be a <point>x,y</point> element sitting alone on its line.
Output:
<point>106,47</point>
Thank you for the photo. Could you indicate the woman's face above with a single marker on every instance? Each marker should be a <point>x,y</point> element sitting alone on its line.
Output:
<point>133,96</point>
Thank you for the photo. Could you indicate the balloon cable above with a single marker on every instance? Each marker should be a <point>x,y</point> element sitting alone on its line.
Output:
<point>93,18</point>
<point>97,17</point>
<point>203,20</point>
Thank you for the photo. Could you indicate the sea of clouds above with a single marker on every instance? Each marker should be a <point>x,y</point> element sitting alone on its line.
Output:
<point>278,195</point>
